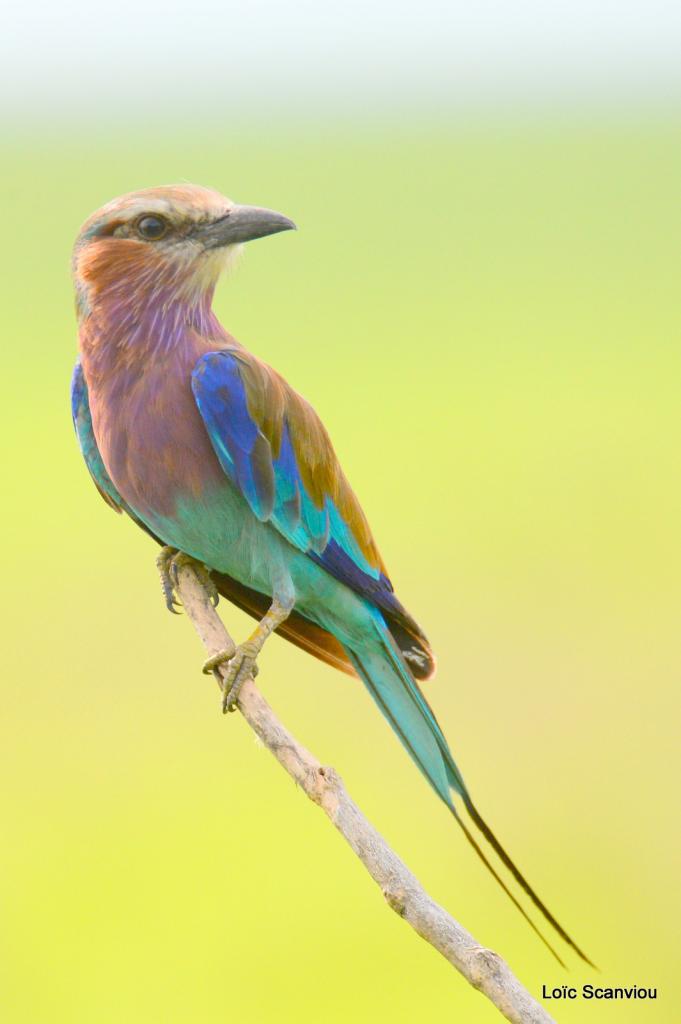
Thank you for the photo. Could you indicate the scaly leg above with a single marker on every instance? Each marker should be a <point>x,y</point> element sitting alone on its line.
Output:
<point>168,563</point>
<point>241,662</point>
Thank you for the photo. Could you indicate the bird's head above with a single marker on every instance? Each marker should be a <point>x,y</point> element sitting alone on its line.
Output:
<point>165,244</point>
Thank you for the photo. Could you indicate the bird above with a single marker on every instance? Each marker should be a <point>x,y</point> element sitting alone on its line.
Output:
<point>212,453</point>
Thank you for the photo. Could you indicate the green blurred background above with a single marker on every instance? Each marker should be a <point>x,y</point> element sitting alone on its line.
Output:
<point>483,307</point>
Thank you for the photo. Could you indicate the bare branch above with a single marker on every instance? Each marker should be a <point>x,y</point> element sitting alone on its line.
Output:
<point>484,969</point>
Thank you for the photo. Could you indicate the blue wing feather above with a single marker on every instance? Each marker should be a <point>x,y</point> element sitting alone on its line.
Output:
<point>279,497</point>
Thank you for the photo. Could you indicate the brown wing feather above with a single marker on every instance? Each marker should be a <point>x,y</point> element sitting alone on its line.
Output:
<point>271,402</point>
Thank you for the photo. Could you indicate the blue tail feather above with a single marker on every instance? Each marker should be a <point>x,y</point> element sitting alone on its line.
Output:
<point>398,698</point>
<point>391,685</point>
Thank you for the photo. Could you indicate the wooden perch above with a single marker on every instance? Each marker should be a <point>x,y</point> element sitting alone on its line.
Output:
<point>481,967</point>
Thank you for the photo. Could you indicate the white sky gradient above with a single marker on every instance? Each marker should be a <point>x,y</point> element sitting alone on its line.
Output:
<point>68,57</point>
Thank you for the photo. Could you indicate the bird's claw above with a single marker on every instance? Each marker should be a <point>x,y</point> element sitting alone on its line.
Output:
<point>241,665</point>
<point>169,562</point>
<point>163,563</point>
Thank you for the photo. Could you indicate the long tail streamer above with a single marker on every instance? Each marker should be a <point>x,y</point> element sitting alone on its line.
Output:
<point>394,690</point>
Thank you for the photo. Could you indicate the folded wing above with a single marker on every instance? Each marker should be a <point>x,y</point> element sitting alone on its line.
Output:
<point>274,448</point>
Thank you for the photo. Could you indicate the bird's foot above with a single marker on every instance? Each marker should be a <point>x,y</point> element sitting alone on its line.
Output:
<point>240,662</point>
<point>169,562</point>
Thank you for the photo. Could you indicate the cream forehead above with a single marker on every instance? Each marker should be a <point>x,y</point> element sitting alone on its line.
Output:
<point>172,209</point>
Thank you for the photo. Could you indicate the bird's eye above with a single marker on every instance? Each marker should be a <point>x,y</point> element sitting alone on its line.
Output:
<point>151,227</point>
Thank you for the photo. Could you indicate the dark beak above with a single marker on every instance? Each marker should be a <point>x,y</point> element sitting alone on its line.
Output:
<point>243,224</point>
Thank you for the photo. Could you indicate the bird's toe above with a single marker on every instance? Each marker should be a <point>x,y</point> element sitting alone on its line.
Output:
<point>240,667</point>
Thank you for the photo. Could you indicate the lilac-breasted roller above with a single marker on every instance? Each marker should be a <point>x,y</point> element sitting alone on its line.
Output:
<point>212,453</point>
